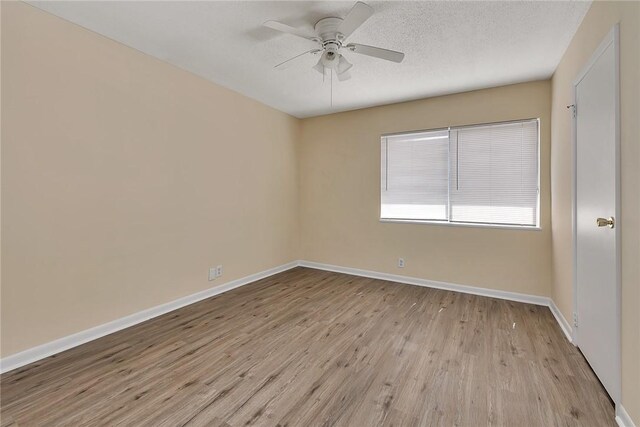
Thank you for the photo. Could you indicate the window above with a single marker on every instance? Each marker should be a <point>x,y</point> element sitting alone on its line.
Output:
<point>481,174</point>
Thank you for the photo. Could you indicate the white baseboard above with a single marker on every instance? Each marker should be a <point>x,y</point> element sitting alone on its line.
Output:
<point>493,293</point>
<point>48,349</point>
<point>623,418</point>
<point>45,350</point>
<point>562,321</point>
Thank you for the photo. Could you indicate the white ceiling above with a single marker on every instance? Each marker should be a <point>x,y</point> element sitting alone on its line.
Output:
<point>450,46</point>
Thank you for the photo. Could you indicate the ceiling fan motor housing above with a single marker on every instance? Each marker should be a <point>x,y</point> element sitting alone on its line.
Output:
<point>327,29</point>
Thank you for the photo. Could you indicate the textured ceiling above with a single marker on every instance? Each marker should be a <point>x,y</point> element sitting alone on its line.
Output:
<point>450,46</point>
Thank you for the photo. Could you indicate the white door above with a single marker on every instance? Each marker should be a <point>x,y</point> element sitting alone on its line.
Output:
<point>596,222</point>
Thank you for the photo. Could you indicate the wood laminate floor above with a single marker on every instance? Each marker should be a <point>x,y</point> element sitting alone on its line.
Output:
<point>308,347</point>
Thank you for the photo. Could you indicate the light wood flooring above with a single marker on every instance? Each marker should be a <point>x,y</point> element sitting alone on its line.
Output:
<point>311,348</point>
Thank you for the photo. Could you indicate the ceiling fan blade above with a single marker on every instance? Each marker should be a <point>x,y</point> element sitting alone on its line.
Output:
<point>343,65</point>
<point>285,64</point>
<point>359,13</point>
<point>319,67</point>
<point>345,75</point>
<point>376,52</point>
<point>284,28</point>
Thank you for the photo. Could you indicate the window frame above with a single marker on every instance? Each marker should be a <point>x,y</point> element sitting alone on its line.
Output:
<point>448,222</point>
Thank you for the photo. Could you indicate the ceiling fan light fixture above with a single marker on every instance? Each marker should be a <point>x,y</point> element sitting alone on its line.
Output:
<point>345,75</point>
<point>319,67</point>
<point>330,58</point>
<point>343,65</point>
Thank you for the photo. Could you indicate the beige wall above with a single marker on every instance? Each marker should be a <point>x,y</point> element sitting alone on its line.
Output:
<point>597,23</point>
<point>340,196</point>
<point>124,179</point>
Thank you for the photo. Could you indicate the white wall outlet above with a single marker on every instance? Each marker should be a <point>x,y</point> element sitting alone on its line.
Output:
<point>400,262</point>
<point>212,273</point>
<point>219,271</point>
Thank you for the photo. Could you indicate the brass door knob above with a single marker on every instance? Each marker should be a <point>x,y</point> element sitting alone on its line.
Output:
<point>606,222</point>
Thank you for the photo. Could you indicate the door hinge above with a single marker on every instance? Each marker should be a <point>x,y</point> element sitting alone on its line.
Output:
<point>575,319</point>
<point>574,110</point>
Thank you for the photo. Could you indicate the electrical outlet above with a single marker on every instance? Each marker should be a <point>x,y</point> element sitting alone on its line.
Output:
<point>219,271</point>
<point>212,273</point>
<point>400,262</point>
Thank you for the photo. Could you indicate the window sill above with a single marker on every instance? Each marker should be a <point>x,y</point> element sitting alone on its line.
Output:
<point>463,224</point>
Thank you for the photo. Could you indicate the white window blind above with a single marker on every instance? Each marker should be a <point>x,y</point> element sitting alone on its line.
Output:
<point>494,174</point>
<point>486,174</point>
<point>414,176</point>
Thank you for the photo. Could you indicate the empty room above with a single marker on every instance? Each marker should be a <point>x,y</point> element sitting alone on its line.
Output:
<point>320,213</point>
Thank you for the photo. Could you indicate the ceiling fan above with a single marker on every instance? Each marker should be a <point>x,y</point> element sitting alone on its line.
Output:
<point>331,35</point>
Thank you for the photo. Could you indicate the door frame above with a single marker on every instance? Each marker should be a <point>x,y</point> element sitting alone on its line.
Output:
<point>612,38</point>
